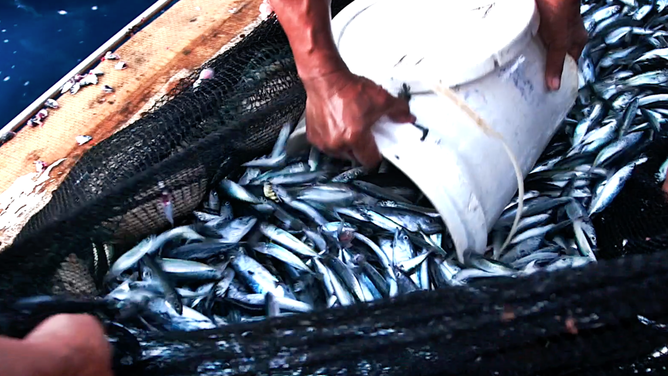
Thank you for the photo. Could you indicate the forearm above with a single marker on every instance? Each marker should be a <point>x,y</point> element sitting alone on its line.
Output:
<point>307,24</point>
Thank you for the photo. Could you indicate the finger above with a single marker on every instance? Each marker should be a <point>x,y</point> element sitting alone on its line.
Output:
<point>579,42</point>
<point>366,151</point>
<point>575,51</point>
<point>66,326</point>
<point>400,112</point>
<point>80,338</point>
<point>338,153</point>
<point>554,66</point>
<point>394,108</point>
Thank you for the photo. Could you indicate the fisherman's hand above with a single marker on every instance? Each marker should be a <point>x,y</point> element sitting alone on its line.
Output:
<point>341,108</point>
<point>63,345</point>
<point>562,31</point>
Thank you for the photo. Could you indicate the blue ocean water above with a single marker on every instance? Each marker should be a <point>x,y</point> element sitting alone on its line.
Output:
<point>42,40</point>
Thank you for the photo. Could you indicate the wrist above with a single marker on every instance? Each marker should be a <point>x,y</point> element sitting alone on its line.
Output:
<point>330,82</point>
<point>307,24</point>
<point>319,63</point>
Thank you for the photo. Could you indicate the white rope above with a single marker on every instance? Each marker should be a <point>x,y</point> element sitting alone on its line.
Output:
<point>480,122</point>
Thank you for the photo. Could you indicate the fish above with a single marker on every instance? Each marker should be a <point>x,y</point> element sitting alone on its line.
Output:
<point>272,162</point>
<point>212,205</point>
<point>166,201</point>
<point>282,140</point>
<point>349,175</point>
<point>149,246</point>
<point>400,248</point>
<point>298,205</point>
<point>155,272</point>
<point>189,320</point>
<point>199,251</point>
<point>412,221</point>
<point>206,217</point>
<point>258,301</point>
<point>328,194</point>
<point>286,239</point>
<point>237,192</point>
<point>81,140</point>
<point>189,270</point>
<point>615,148</point>
<point>51,103</point>
<point>224,284</point>
<point>282,254</point>
<point>226,212</point>
<point>232,231</point>
<point>578,215</point>
<point>611,189</point>
<point>255,276</point>
<point>297,178</point>
<point>596,116</point>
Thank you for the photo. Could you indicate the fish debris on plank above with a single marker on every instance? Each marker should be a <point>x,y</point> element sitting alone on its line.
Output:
<point>83,139</point>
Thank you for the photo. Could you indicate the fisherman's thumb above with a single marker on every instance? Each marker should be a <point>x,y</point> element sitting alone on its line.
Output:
<point>399,112</point>
<point>554,66</point>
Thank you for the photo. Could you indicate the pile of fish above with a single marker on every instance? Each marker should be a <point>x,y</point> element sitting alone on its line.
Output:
<point>621,107</point>
<point>294,234</point>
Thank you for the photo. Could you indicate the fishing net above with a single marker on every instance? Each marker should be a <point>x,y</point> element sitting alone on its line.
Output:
<point>602,319</point>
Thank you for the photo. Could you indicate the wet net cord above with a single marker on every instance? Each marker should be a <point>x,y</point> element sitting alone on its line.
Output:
<point>112,195</point>
<point>534,326</point>
<point>574,322</point>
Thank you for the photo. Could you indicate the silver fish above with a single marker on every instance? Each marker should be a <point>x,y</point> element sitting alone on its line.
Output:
<point>611,189</point>
<point>256,276</point>
<point>235,191</point>
<point>166,285</point>
<point>259,301</point>
<point>270,162</point>
<point>189,320</point>
<point>282,254</point>
<point>617,147</point>
<point>234,230</point>
<point>149,246</point>
<point>286,239</point>
<point>282,140</point>
<point>189,270</point>
<point>331,194</point>
<point>222,285</point>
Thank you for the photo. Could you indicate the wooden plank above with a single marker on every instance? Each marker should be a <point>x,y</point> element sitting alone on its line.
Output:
<point>180,40</point>
<point>184,37</point>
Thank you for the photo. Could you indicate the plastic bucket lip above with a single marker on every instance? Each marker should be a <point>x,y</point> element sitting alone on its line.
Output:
<point>436,64</point>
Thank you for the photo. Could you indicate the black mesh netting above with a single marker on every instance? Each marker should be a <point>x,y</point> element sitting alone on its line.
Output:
<point>571,322</point>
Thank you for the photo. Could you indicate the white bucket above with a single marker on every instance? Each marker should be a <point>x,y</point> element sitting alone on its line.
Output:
<point>489,54</point>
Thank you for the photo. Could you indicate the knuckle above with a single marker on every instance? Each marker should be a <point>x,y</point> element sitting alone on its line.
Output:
<point>349,136</point>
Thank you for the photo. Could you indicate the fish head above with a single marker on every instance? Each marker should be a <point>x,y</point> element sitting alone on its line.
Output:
<point>401,240</point>
<point>430,225</point>
<point>247,221</point>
